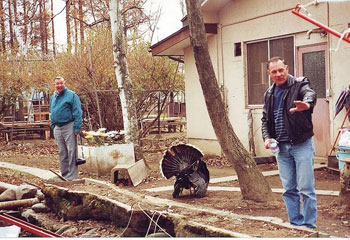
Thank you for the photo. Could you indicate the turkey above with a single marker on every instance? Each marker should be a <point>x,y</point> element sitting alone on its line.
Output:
<point>184,162</point>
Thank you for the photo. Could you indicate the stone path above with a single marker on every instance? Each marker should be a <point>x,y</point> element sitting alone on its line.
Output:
<point>237,189</point>
<point>44,174</point>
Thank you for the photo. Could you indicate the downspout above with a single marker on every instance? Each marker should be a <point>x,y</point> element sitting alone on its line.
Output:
<point>221,51</point>
<point>329,39</point>
<point>222,86</point>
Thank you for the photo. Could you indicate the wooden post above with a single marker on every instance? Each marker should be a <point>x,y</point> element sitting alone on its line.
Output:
<point>47,134</point>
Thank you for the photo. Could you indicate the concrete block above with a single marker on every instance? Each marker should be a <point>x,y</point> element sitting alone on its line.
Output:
<point>135,173</point>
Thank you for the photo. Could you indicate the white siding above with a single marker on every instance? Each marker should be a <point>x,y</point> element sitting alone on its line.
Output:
<point>251,20</point>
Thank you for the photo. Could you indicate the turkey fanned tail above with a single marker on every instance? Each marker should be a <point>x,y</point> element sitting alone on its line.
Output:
<point>184,162</point>
<point>178,159</point>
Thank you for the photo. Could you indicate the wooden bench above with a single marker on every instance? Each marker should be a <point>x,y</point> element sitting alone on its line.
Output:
<point>10,130</point>
<point>171,124</point>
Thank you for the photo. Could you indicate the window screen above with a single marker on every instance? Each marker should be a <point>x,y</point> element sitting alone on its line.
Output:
<point>314,68</point>
<point>258,54</point>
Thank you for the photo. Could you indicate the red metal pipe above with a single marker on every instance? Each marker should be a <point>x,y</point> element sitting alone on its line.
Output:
<point>296,11</point>
<point>27,226</point>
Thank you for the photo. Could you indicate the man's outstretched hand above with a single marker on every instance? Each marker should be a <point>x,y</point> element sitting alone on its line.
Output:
<point>300,106</point>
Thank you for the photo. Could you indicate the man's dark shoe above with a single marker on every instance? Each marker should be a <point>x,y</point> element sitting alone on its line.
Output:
<point>80,161</point>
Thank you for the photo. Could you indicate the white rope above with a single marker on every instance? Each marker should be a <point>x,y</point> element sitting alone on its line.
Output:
<point>150,224</point>
<point>155,228</point>
<point>153,220</point>
<point>333,1</point>
<point>340,39</point>
<point>127,226</point>
<point>308,4</point>
<point>315,2</point>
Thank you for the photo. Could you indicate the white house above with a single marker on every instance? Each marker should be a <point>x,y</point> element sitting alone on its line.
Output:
<point>242,36</point>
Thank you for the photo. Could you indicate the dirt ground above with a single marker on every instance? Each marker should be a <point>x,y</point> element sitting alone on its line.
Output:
<point>43,154</point>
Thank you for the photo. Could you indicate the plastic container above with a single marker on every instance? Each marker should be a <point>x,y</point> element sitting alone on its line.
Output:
<point>274,147</point>
<point>340,155</point>
<point>344,140</point>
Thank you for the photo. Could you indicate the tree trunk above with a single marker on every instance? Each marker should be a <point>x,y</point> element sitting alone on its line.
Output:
<point>43,33</point>
<point>3,30</point>
<point>15,15</point>
<point>126,89</point>
<point>46,34</point>
<point>53,31</point>
<point>28,23</point>
<point>41,13</point>
<point>75,21</point>
<point>69,42</point>
<point>252,183</point>
<point>18,203</point>
<point>12,42</point>
<point>81,26</point>
<point>25,18</point>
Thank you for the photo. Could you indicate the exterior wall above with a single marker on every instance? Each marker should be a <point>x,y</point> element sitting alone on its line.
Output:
<point>199,128</point>
<point>339,19</point>
<point>251,20</point>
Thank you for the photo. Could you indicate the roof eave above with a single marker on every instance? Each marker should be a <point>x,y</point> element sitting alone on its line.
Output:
<point>174,43</point>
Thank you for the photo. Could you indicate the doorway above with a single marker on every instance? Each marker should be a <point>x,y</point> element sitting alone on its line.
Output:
<point>312,62</point>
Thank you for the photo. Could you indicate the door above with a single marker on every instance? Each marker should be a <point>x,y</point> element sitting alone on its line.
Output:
<point>312,62</point>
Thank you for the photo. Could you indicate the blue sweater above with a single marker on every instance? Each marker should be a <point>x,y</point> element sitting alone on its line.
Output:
<point>280,129</point>
<point>66,108</point>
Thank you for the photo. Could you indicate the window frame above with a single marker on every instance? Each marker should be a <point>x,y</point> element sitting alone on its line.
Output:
<point>254,106</point>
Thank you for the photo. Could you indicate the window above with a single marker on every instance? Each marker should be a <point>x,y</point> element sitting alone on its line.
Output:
<point>314,67</point>
<point>258,54</point>
<point>238,50</point>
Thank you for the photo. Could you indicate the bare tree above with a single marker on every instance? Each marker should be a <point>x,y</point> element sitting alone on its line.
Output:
<point>69,41</point>
<point>76,22</point>
<point>81,16</point>
<point>43,33</point>
<point>3,29</point>
<point>53,31</point>
<point>12,33</point>
<point>126,89</point>
<point>183,7</point>
<point>252,183</point>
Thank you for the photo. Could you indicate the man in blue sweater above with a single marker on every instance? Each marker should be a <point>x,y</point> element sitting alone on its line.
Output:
<point>66,120</point>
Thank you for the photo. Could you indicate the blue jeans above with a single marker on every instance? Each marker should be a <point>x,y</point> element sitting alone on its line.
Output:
<point>295,165</point>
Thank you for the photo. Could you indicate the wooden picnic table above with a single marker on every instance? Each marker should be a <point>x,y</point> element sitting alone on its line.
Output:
<point>170,122</point>
<point>11,129</point>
